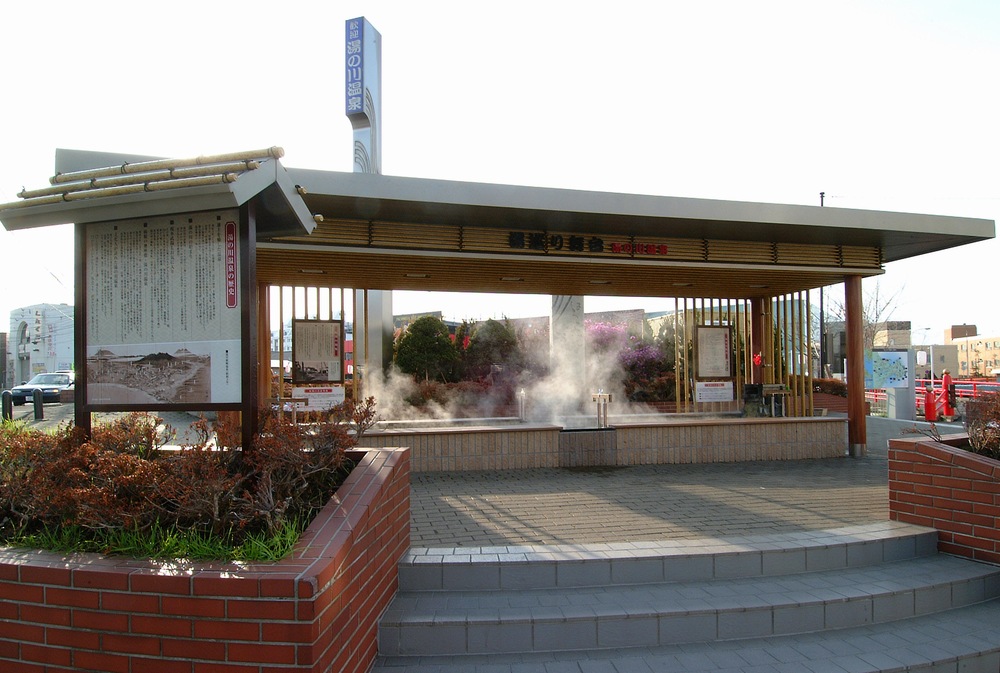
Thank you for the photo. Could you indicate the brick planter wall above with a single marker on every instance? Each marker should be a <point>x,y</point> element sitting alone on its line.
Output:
<point>958,493</point>
<point>834,403</point>
<point>315,611</point>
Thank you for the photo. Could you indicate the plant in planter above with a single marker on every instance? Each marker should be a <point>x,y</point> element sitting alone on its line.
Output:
<point>982,422</point>
<point>830,387</point>
<point>122,491</point>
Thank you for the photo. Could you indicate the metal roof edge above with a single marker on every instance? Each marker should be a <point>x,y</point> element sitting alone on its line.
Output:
<point>458,193</point>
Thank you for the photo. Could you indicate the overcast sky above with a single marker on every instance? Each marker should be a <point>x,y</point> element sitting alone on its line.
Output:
<point>882,105</point>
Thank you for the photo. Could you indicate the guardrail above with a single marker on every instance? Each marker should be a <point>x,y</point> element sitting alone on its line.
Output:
<point>964,390</point>
<point>878,402</point>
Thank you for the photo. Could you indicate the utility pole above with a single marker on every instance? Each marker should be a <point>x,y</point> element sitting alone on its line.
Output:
<point>822,318</point>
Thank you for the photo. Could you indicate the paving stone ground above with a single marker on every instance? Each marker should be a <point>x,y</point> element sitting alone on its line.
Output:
<point>661,502</point>
<point>656,502</point>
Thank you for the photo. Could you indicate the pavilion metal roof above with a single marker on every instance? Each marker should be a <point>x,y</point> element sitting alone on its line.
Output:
<point>423,201</point>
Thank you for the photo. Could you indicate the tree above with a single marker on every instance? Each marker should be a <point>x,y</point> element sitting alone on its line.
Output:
<point>426,349</point>
<point>492,343</point>
<point>876,315</point>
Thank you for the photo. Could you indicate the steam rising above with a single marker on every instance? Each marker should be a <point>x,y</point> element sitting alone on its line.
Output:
<point>556,390</point>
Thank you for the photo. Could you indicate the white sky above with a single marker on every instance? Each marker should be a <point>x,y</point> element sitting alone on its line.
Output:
<point>887,105</point>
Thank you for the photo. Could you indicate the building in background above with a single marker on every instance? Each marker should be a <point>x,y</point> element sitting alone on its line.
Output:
<point>959,332</point>
<point>891,334</point>
<point>40,340</point>
<point>940,356</point>
<point>978,355</point>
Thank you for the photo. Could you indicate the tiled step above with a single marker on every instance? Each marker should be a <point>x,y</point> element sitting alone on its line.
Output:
<point>865,598</point>
<point>965,640</point>
<point>551,566</point>
<point>650,615</point>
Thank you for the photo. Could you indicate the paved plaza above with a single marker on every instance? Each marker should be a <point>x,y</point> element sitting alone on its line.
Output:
<point>655,502</point>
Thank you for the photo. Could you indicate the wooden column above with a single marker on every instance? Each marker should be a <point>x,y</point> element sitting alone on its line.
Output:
<point>249,331</point>
<point>81,413</point>
<point>757,340</point>
<point>856,408</point>
<point>264,392</point>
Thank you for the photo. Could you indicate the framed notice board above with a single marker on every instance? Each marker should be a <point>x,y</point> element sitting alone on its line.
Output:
<point>317,351</point>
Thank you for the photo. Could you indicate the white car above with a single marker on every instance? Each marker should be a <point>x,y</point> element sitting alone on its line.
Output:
<point>51,384</point>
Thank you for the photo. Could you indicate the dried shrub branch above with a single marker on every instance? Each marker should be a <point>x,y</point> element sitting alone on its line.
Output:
<point>982,422</point>
<point>124,479</point>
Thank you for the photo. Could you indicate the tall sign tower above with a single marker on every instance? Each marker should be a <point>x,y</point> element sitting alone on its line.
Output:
<point>363,59</point>
<point>373,327</point>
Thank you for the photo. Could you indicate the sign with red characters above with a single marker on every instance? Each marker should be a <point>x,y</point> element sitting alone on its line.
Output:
<point>232,250</point>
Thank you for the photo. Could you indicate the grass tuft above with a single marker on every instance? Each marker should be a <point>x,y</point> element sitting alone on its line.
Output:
<point>164,543</point>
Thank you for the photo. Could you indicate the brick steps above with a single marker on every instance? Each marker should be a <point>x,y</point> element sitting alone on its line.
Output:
<point>766,599</point>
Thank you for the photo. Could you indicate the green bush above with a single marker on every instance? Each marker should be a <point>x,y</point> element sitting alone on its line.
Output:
<point>426,350</point>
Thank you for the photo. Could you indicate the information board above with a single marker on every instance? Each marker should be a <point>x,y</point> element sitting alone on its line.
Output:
<point>713,351</point>
<point>317,351</point>
<point>163,320</point>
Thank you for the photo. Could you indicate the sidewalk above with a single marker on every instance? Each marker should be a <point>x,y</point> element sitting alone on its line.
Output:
<point>56,415</point>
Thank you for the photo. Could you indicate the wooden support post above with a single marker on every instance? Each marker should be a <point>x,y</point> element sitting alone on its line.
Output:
<point>856,412</point>
<point>757,340</point>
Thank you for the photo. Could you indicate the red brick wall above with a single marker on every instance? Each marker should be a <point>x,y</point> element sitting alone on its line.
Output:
<point>936,485</point>
<point>834,403</point>
<point>315,611</point>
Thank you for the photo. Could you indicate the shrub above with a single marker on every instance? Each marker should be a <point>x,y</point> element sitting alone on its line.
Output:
<point>426,350</point>
<point>428,392</point>
<point>604,337</point>
<point>492,344</point>
<point>642,361</point>
<point>982,422</point>
<point>830,386</point>
<point>123,480</point>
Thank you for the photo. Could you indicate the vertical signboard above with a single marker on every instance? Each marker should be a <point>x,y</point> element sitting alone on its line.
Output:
<point>163,314</point>
<point>363,93</point>
<point>714,352</point>
<point>713,359</point>
<point>317,351</point>
<point>354,60</point>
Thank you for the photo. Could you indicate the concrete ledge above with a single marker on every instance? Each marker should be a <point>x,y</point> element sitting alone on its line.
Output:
<point>680,439</point>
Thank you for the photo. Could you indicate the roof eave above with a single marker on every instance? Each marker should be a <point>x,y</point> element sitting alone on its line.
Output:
<point>426,201</point>
<point>284,211</point>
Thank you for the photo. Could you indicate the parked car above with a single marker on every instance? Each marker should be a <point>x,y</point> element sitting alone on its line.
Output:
<point>51,383</point>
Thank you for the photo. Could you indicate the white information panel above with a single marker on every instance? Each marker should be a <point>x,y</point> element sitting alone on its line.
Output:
<point>163,314</point>
<point>319,398</point>
<point>713,356</point>
<point>317,351</point>
<point>713,391</point>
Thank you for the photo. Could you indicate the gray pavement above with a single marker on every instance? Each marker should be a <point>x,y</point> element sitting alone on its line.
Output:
<point>656,502</point>
<point>57,414</point>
